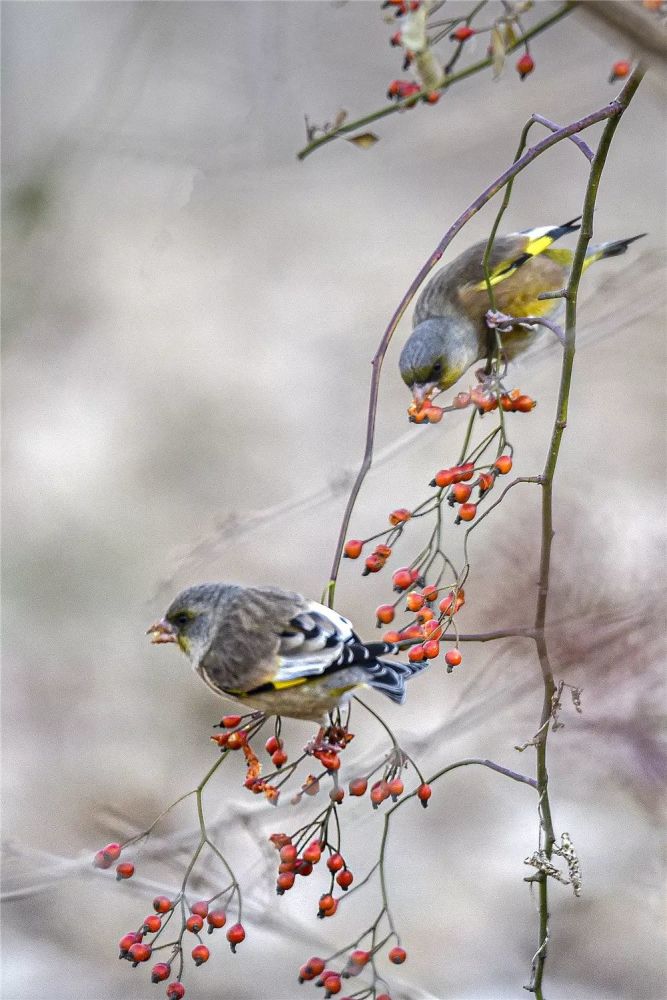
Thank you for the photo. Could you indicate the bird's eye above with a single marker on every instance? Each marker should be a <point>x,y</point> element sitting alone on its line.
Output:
<point>436,370</point>
<point>181,618</point>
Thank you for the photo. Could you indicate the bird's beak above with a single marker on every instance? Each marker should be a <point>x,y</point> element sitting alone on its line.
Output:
<point>421,392</point>
<point>162,632</point>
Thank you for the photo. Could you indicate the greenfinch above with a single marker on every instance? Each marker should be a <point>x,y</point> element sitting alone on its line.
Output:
<point>449,329</point>
<point>277,651</point>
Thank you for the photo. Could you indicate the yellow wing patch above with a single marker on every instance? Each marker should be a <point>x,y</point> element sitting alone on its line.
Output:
<point>279,685</point>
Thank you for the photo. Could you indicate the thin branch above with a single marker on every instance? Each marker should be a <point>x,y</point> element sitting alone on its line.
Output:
<point>610,110</point>
<point>448,80</point>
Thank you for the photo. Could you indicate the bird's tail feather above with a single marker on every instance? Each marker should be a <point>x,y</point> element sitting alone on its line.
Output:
<point>390,678</point>
<point>612,249</point>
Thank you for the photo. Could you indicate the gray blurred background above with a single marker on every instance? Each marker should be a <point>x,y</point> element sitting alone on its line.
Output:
<point>188,318</point>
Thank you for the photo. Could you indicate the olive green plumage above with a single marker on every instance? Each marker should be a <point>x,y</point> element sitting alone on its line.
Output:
<point>449,329</point>
<point>277,651</point>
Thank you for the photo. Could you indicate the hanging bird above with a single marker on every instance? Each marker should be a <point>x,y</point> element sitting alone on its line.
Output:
<point>449,328</point>
<point>276,651</point>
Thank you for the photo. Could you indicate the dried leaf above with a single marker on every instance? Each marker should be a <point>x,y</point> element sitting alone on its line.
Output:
<point>510,35</point>
<point>497,51</point>
<point>338,120</point>
<point>364,140</point>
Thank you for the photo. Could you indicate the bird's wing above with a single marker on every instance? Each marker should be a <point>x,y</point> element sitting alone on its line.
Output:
<point>310,643</point>
<point>533,243</point>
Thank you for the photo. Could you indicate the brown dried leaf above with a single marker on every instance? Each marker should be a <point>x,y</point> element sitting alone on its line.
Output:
<point>498,51</point>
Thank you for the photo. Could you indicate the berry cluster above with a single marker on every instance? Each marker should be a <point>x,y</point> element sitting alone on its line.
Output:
<point>315,969</point>
<point>483,397</point>
<point>135,948</point>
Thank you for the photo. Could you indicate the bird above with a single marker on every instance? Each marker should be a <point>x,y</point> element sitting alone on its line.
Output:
<point>276,651</point>
<point>449,328</point>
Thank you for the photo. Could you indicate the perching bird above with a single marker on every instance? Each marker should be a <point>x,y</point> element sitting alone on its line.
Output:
<point>449,329</point>
<point>277,651</point>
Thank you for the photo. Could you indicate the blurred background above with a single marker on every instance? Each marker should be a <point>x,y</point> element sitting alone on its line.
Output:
<point>189,314</point>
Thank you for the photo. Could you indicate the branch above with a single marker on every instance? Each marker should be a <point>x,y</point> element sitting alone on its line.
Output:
<point>609,111</point>
<point>448,80</point>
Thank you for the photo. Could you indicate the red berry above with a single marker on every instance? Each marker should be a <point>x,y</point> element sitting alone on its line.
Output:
<point>335,862</point>
<point>288,854</point>
<point>360,957</point>
<point>397,955</point>
<point>337,795</point>
<point>315,966</point>
<point>235,935</point>
<point>160,972</point>
<point>391,636</point>
<point>416,654</point>
<point>124,870</point>
<point>383,551</point>
<point>127,941</point>
<point>430,593</point>
<point>396,787</point>
<point>524,404</point>
<point>329,759</point>
<point>273,744</point>
<point>402,579</point>
<point>467,511</point>
<point>464,472</point>
<point>379,792</point>
<point>424,794</point>
<point>385,614</point>
<point>279,758</point>
<point>444,478</point>
<point>332,984</point>
<point>285,881</point>
<point>152,923</point>
<point>200,954</point>
<point>433,413</point>
<point>304,868</point>
<point>453,657</point>
<point>486,481</point>
<point>230,721</point>
<point>414,601</point>
<point>373,563</point>
<point>106,857</point>
<point>216,919</point>
<point>383,996</point>
<point>175,991</point>
<point>200,908</point>
<point>503,464</point>
<point>431,649</point>
<point>345,878</point>
<point>525,65</point>
<point>327,905</point>
<point>461,492</point>
<point>237,740</point>
<point>353,548</point>
<point>313,852</point>
<point>358,786</point>
<point>139,952</point>
<point>462,32</point>
<point>194,923</point>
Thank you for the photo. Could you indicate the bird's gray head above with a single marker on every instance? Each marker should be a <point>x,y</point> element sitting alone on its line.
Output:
<point>435,355</point>
<point>191,618</point>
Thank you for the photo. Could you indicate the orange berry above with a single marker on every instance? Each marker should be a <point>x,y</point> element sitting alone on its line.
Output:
<point>235,935</point>
<point>373,563</point>
<point>385,613</point>
<point>162,904</point>
<point>433,413</point>
<point>124,870</point>
<point>400,515</point>
<point>416,654</point>
<point>284,882</point>
<point>391,636</point>
<point>215,920</point>
<point>327,905</point>
<point>237,740</point>
<point>335,862</point>
<point>425,615</point>
<point>453,657</point>
<point>431,649</point>
<point>503,464</point>
<point>345,878</point>
<point>412,632</point>
<point>200,954</point>
<point>464,473</point>
<point>444,478</point>
<point>332,984</point>
<point>358,786</point>
<point>402,579</point>
<point>353,548</point>
<point>432,629</point>
<point>230,721</point>
<point>313,852</point>
<point>486,481</point>
<point>414,601</point>
<point>432,98</point>
<point>430,592</point>
<point>525,65</point>
<point>160,972</point>
<point>461,492</point>
<point>194,923</point>
<point>200,907</point>
<point>462,32</point>
<point>175,991</point>
<point>152,923</point>
<point>379,792</point>
<point>139,952</point>
<point>396,787</point>
<point>383,551</point>
<point>524,404</point>
<point>288,854</point>
<point>620,70</point>
<point>467,511</point>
